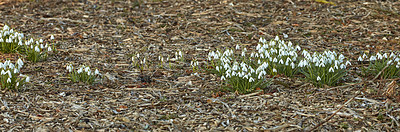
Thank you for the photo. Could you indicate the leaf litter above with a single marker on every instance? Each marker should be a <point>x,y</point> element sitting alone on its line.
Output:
<point>104,34</point>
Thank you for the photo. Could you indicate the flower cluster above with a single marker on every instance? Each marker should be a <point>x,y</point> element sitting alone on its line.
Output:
<point>10,77</point>
<point>10,40</point>
<point>82,74</point>
<point>36,50</point>
<point>281,57</point>
<point>139,61</point>
<point>234,68</point>
<point>380,61</point>
<point>323,69</point>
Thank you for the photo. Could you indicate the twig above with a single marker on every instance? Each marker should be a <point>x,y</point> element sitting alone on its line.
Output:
<point>351,99</point>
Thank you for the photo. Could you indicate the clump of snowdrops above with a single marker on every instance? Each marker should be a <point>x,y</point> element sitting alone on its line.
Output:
<point>325,68</point>
<point>10,77</point>
<point>82,74</point>
<point>280,56</point>
<point>379,61</point>
<point>36,51</point>
<point>237,71</point>
<point>15,42</point>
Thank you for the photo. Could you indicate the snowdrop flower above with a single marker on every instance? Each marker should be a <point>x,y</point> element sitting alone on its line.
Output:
<point>17,84</point>
<point>80,70</point>
<point>385,55</point>
<point>281,61</point>
<point>331,69</point>
<point>372,58</point>
<point>237,47</point>
<point>360,58</point>
<point>275,60</point>
<point>348,63</point>
<point>41,40</point>
<point>285,35</point>
<point>89,73</point>
<point>51,37</point>
<point>37,49</point>
<point>321,64</point>
<point>27,79</point>
<point>69,68</point>
<point>41,46</point>
<point>9,80</point>
<point>365,56</point>
<point>20,63</point>
<point>87,69</point>
<point>342,66</point>
<point>96,72</point>
<point>3,72</point>
<point>318,78</point>
<point>251,79</point>
<point>49,49</point>
<point>293,65</point>
<point>223,78</point>
<point>274,70</point>
<point>379,56</point>
<point>15,70</point>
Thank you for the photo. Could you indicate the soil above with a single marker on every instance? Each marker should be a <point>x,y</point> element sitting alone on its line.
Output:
<point>105,34</point>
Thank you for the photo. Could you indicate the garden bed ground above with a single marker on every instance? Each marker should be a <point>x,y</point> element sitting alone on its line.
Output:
<point>105,34</point>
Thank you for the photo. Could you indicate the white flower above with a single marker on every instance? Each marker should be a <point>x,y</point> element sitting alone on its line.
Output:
<point>237,47</point>
<point>275,60</point>
<point>9,73</point>
<point>372,58</point>
<point>41,40</point>
<point>41,46</point>
<point>281,61</point>
<point>15,70</point>
<point>96,72</point>
<point>48,49</point>
<point>51,37</point>
<point>89,73</point>
<point>285,35</point>
<point>385,55</point>
<point>274,70</point>
<point>27,79</point>
<point>17,84</point>
<point>251,79</point>
<point>342,66</point>
<point>379,56</point>
<point>20,63</point>
<point>293,65</point>
<point>37,49</point>
<point>348,63</point>
<point>69,68</point>
<point>223,78</point>
<point>318,78</point>
<point>3,72</point>
<point>87,69</point>
<point>365,56</point>
<point>331,69</point>
<point>9,80</point>
<point>80,70</point>
<point>360,58</point>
